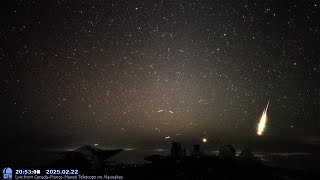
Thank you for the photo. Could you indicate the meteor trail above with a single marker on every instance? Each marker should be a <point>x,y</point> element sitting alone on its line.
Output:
<point>263,121</point>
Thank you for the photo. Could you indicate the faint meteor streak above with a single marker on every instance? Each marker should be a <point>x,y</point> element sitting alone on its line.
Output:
<point>263,121</point>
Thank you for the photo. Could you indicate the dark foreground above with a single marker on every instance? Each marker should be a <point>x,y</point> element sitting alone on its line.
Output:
<point>90,160</point>
<point>196,166</point>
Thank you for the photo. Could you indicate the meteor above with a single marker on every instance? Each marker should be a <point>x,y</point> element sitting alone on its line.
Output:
<point>263,121</point>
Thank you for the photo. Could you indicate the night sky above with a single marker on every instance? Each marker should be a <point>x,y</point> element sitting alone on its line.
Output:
<point>127,72</point>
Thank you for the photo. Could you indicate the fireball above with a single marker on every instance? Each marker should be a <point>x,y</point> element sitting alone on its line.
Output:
<point>263,122</point>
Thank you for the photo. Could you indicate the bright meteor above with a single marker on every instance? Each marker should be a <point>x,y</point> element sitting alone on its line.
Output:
<point>263,121</point>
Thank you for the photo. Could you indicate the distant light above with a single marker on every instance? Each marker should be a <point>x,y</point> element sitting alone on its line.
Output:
<point>96,144</point>
<point>204,140</point>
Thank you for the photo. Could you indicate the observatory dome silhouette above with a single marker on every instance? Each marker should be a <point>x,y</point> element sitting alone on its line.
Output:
<point>227,151</point>
<point>246,154</point>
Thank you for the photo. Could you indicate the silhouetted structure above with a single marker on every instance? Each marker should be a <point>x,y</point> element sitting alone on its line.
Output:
<point>90,157</point>
<point>90,160</point>
<point>196,150</point>
<point>177,151</point>
<point>246,154</point>
<point>227,151</point>
<point>248,158</point>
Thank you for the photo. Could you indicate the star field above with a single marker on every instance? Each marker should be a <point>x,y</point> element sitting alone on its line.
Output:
<point>126,71</point>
